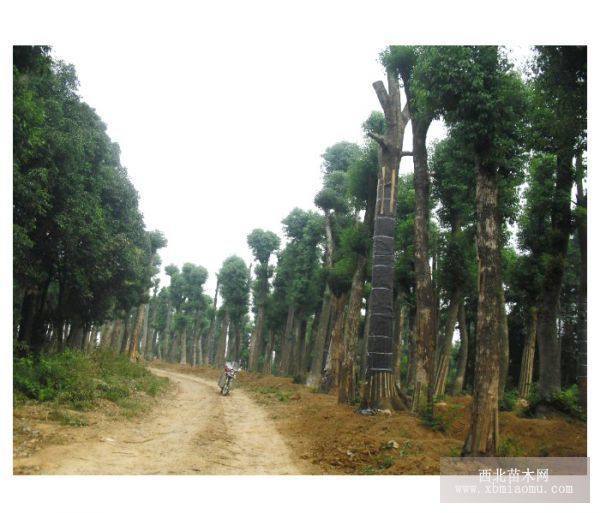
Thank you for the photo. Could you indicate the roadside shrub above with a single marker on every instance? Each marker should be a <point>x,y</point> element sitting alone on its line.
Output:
<point>79,380</point>
<point>565,401</point>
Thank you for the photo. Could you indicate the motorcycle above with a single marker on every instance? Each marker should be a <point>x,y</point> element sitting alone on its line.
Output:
<point>226,380</point>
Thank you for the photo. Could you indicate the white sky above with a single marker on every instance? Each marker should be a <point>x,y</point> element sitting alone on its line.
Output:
<point>222,131</point>
<point>217,148</point>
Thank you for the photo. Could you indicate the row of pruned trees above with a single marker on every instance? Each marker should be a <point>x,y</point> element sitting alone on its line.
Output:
<point>401,289</point>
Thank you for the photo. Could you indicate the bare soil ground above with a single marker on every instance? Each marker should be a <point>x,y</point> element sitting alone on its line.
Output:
<point>268,425</point>
<point>336,440</point>
<point>192,430</point>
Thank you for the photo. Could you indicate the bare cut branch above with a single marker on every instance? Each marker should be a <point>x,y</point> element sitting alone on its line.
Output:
<point>378,138</point>
<point>382,96</point>
<point>393,88</point>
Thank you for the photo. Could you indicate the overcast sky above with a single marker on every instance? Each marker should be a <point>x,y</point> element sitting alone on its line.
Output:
<point>221,134</point>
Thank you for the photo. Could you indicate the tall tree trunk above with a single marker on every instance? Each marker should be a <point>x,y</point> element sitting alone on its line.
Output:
<point>269,353</point>
<point>209,354</point>
<point>380,391</point>
<point>256,339</point>
<point>483,435</point>
<point>124,343</point>
<point>117,334</point>
<point>425,331</point>
<point>581,226</point>
<point>334,355</point>
<point>222,343</point>
<point>183,348</point>
<point>412,350</point>
<point>526,375</point>
<point>137,331</point>
<point>504,345</point>
<point>400,308</point>
<point>348,375</point>
<point>286,343</point>
<point>149,347</point>
<point>316,366</point>
<point>463,353</point>
<point>443,361</point>
<point>548,340</point>
<point>364,342</point>
<point>298,346</point>
<point>144,339</point>
<point>159,345</point>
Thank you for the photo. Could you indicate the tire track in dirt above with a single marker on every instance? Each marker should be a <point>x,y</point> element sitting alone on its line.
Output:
<point>194,431</point>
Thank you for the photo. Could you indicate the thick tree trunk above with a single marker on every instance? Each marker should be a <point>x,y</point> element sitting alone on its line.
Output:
<point>412,350</point>
<point>425,329</point>
<point>380,391</point>
<point>443,361</point>
<point>137,332</point>
<point>211,345</point>
<point>183,348</point>
<point>256,339</point>
<point>269,353</point>
<point>581,226</point>
<point>316,366</point>
<point>463,353</point>
<point>548,340</point>
<point>222,343</point>
<point>483,435</point>
<point>400,308</point>
<point>124,343</point>
<point>504,345</point>
<point>159,345</point>
<point>144,339</point>
<point>331,373</point>
<point>117,334</point>
<point>348,375</point>
<point>526,375</point>
<point>287,342</point>
<point>297,346</point>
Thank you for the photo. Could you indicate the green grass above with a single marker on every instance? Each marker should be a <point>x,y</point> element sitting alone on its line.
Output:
<point>78,381</point>
<point>510,447</point>
<point>281,395</point>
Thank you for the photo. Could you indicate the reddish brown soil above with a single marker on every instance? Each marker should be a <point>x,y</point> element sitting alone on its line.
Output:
<point>337,440</point>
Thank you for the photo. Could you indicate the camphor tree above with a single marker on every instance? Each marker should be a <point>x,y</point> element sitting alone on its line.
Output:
<point>454,190</point>
<point>331,199</point>
<point>296,286</point>
<point>559,120</point>
<point>234,280</point>
<point>380,391</point>
<point>484,100</point>
<point>263,244</point>
<point>82,254</point>
<point>402,60</point>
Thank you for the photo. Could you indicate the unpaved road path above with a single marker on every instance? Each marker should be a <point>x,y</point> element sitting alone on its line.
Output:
<point>193,431</point>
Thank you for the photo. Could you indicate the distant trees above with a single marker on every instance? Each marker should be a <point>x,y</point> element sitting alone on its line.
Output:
<point>234,280</point>
<point>263,244</point>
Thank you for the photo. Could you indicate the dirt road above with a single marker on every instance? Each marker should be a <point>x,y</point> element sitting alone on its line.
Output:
<point>193,431</point>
